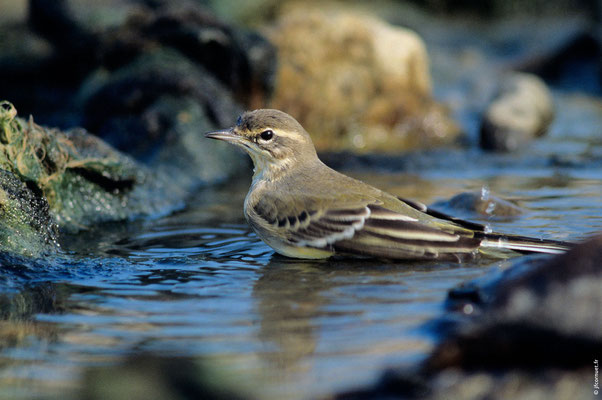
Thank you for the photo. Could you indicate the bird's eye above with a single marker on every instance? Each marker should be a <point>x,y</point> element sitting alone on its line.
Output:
<point>266,135</point>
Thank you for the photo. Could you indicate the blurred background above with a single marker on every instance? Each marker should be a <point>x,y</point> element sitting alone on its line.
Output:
<point>425,99</point>
<point>388,76</point>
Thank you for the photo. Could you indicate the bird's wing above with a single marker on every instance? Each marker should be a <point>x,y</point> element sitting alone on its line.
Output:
<point>373,230</point>
<point>442,216</point>
<point>389,234</point>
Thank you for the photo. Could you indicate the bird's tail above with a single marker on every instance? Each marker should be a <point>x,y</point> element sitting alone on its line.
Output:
<point>523,244</point>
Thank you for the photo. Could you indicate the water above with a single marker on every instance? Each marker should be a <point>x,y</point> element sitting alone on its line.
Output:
<point>200,284</point>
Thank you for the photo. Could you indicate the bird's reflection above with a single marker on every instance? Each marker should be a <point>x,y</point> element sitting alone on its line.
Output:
<point>293,296</point>
<point>289,298</point>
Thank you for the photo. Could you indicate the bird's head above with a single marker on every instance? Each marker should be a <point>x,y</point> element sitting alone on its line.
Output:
<point>275,141</point>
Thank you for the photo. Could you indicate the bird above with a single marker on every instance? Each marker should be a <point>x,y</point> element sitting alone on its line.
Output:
<point>304,209</point>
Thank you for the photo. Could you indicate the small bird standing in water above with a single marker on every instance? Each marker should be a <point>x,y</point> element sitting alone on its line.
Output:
<point>303,209</point>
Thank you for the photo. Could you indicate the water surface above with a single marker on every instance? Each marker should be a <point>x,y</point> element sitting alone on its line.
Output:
<point>200,284</point>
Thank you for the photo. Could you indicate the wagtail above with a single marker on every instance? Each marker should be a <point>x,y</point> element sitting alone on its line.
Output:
<point>302,208</point>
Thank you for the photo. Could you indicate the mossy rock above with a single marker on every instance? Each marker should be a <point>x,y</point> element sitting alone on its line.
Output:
<point>71,178</point>
<point>26,226</point>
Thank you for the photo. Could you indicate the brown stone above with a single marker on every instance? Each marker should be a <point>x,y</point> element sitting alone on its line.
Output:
<point>356,82</point>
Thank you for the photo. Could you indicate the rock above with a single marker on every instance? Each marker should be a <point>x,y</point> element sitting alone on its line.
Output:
<point>26,226</point>
<point>357,83</point>
<point>481,203</point>
<point>113,33</point>
<point>559,298</point>
<point>532,333</point>
<point>83,180</point>
<point>521,111</point>
<point>156,109</point>
<point>153,76</point>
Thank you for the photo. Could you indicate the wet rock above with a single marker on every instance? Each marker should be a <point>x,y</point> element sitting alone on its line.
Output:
<point>83,180</point>
<point>521,111</point>
<point>26,226</point>
<point>242,61</point>
<point>560,297</point>
<point>357,83</point>
<point>115,32</point>
<point>531,333</point>
<point>153,76</point>
<point>481,203</point>
<point>156,109</point>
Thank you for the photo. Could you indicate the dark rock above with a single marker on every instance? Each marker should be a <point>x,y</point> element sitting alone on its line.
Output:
<point>156,109</point>
<point>531,333</point>
<point>530,310</point>
<point>153,76</point>
<point>521,111</point>
<point>242,61</point>
<point>116,32</point>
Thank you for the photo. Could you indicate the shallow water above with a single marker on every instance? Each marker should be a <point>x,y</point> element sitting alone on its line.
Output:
<point>200,284</point>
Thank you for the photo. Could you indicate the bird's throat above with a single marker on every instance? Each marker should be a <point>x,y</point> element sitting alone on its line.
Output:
<point>269,170</point>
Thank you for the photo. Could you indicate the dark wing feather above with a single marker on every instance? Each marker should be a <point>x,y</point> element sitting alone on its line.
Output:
<point>439,215</point>
<point>393,235</point>
<point>375,231</point>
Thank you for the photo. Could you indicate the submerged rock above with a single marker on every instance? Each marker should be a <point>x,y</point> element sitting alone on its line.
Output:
<point>482,203</point>
<point>531,334</point>
<point>356,82</point>
<point>521,111</point>
<point>74,177</point>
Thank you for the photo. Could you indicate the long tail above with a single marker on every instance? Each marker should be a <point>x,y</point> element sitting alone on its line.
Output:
<point>523,244</point>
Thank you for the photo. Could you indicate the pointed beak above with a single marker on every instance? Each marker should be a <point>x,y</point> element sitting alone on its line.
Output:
<point>226,135</point>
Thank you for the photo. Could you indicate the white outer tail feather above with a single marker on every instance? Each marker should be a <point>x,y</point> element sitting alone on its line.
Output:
<point>518,243</point>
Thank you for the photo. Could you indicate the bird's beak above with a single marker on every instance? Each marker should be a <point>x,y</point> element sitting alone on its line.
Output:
<point>226,135</point>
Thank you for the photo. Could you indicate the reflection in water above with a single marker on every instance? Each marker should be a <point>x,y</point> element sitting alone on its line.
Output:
<point>200,284</point>
<point>288,295</point>
<point>364,313</point>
